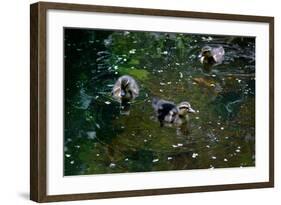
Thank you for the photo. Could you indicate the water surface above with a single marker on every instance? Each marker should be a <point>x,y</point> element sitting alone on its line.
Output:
<point>98,140</point>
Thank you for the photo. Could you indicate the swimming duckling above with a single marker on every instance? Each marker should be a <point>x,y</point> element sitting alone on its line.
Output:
<point>211,56</point>
<point>125,91</point>
<point>184,108</point>
<point>166,111</point>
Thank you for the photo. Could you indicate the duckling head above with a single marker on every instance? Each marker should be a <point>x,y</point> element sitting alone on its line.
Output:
<point>125,87</point>
<point>206,51</point>
<point>184,108</point>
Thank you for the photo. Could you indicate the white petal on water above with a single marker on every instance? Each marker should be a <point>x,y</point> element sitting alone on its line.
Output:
<point>98,155</point>
<point>238,150</point>
<point>68,155</point>
<point>181,75</point>
<point>208,146</point>
<point>165,52</point>
<point>177,63</point>
<point>112,165</point>
<point>214,157</point>
<point>180,145</point>
<point>72,162</point>
<point>132,51</point>
<point>169,83</point>
<point>145,140</point>
<point>155,160</point>
<point>169,158</point>
<point>194,155</point>
<point>225,160</point>
<point>222,128</point>
<point>92,134</point>
<point>174,146</point>
<point>107,102</point>
<point>161,83</point>
<point>161,90</point>
<point>213,75</point>
<point>126,159</point>
<point>97,125</point>
<point>197,118</point>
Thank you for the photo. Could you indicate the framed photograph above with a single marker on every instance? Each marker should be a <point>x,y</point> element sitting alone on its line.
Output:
<point>134,102</point>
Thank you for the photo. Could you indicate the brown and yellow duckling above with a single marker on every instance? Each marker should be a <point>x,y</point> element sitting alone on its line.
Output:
<point>211,56</point>
<point>125,91</point>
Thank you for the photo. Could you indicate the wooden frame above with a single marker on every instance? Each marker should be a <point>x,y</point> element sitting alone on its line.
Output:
<point>38,105</point>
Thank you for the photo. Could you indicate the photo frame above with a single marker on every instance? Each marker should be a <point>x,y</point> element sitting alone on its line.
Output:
<point>48,179</point>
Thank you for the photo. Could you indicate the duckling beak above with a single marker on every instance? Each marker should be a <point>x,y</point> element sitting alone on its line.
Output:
<point>191,110</point>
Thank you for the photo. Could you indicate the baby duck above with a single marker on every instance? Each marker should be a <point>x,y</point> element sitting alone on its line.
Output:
<point>125,91</point>
<point>166,111</point>
<point>184,108</point>
<point>211,56</point>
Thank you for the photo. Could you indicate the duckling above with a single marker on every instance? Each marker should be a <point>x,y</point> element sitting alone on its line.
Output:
<point>125,91</point>
<point>211,56</point>
<point>184,108</point>
<point>166,111</point>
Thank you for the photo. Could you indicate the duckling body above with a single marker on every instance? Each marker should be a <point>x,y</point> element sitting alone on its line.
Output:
<point>125,91</point>
<point>166,111</point>
<point>211,56</point>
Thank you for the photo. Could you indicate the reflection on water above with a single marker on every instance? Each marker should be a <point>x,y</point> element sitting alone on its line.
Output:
<point>98,139</point>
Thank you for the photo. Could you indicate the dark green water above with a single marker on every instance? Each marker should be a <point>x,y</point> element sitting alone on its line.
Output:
<point>98,140</point>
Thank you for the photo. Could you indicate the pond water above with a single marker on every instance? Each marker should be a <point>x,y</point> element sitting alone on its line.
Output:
<point>99,140</point>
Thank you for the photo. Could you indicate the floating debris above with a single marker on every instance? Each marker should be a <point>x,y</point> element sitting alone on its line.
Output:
<point>194,155</point>
<point>169,158</point>
<point>181,75</point>
<point>197,118</point>
<point>155,160</point>
<point>107,102</point>
<point>214,157</point>
<point>222,128</point>
<point>97,125</point>
<point>68,155</point>
<point>126,159</point>
<point>112,165</point>
<point>161,83</point>
<point>160,90</point>
<point>98,155</point>
<point>208,146</point>
<point>238,150</point>
<point>174,146</point>
<point>180,145</point>
<point>72,162</point>
<point>133,51</point>
<point>225,160</point>
<point>92,134</point>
